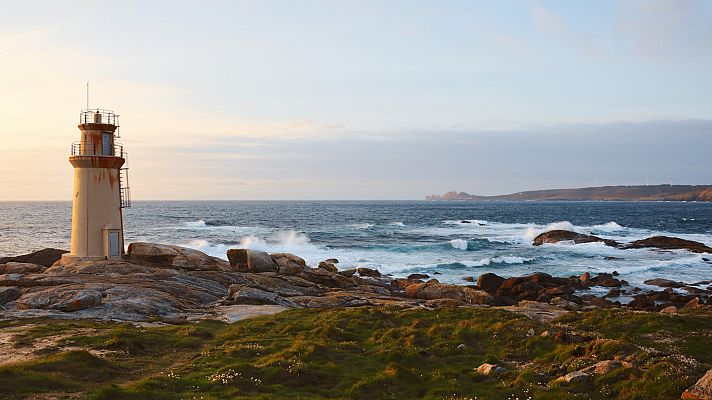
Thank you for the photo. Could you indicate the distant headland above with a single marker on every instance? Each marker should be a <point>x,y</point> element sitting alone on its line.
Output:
<point>603,193</point>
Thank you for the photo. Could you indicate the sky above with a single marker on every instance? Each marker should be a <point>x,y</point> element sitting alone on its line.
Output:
<point>386,99</point>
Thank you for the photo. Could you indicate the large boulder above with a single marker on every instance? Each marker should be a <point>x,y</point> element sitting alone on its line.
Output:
<point>240,294</point>
<point>433,290</point>
<point>328,279</point>
<point>558,235</point>
<point>369,272</point>
<point>289,264</point>
<point>8,294</point>
<point>44,257</point>
<point>670,243</point>
<point>664,283</point>
<point>248,260</point>
<point>14,267</point>
<point>174,257</point>
<point>328,266</point>
<point>61,298</point>
<point>489,281</point>
<point>702,390</point>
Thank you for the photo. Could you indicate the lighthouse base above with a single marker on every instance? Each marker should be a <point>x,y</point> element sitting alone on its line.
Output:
<point>68,258</point>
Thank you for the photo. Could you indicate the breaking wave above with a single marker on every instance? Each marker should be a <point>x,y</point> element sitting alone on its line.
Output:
<point>500,260</point>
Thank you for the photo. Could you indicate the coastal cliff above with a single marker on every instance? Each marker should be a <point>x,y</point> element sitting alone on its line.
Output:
<point>603,193</point>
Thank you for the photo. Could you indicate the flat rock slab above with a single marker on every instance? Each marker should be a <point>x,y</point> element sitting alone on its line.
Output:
<point>540,312</point>
<point>239,312</point>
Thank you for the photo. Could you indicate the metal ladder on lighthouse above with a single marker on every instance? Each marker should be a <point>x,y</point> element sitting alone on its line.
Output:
<point>124,191</point>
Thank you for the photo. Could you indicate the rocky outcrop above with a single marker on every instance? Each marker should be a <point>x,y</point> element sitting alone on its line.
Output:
<point>59,298</point>
<point>664,283</point>
<point>434,290</point>
<point>289,264</point>
<point>657,242</point>
<point>670,243</point>
<point>370,272</point>
<point>165,256</point>
<point>8,294</point>
<point>44,257</point>
<point>557,236</point>
<point>13,267</point>
<point>328,266</point>
<point>241,294</point>
<point>175,283</point>
<point>702,390</point>
<point>248,260</point>
<point>489,281</point>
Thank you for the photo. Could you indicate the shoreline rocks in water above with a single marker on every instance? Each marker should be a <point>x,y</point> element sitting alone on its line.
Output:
<point>556,236</point>
<point>172,282</point>
<point>655,242</point>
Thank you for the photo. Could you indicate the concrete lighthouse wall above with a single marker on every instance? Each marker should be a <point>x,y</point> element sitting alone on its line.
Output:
<point>96,211</point>
<point>97,205</point>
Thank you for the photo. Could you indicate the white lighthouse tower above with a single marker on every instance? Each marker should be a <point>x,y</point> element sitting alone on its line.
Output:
<point>100,189</point>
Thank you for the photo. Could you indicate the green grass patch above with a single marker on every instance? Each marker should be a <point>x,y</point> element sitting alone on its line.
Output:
<point>373,353</point>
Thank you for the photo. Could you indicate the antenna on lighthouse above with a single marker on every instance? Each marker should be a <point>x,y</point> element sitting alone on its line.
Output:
<point>87,95</point>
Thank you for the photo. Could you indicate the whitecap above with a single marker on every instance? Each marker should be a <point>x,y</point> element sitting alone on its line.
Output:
<point>608,227</point>
<point>460,244</point>
<point>361,226</point>
<point>499,260</point>
<point>195,224</point>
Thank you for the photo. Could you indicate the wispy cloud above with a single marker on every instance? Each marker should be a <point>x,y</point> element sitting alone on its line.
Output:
<point>668,30</point>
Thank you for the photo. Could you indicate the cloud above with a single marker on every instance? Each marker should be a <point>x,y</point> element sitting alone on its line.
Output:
<point>667,30</point>
<point>552,24</point>
<point>411,164</point>
<point>546,20</point>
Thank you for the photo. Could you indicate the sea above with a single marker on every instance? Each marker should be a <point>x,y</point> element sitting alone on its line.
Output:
<point>448,240</point>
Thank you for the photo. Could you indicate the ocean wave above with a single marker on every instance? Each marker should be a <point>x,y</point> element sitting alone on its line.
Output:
<point>361,226</point>
<point>460,244</point>
<point>195,224</point>
<point>499,260</point>
<point>397,223</point>
<point>202,224</point>
<point>534,231</point>
<point>608,227</point>
<point>281,241</point>
<point>472,244</point>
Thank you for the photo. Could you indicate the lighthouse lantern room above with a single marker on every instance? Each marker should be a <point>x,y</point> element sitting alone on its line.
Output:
<point>100,189</point>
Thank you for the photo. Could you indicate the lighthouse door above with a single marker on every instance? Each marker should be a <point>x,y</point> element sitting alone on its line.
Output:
<point>106,141</point>
<point>114,244</point>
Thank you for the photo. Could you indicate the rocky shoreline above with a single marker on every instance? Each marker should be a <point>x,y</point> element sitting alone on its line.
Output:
<point>158,285</point>
<point>155,281</point>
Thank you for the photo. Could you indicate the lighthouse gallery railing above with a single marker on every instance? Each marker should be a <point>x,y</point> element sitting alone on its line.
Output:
<point>97,149</point>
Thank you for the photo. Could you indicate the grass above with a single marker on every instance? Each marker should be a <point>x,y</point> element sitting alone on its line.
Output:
<point>368,353</point>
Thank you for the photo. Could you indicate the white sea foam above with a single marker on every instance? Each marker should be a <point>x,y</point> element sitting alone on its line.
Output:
<point>608,227</point>
<point>499,260</point>
<point>195,224</point>
<point>361,226</point>
<point>459,244</point>
<point>533,231</point>
<point>397,223</point>
<point>281,241</point>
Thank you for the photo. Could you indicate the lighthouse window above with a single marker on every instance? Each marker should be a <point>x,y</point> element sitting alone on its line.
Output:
<point>106,140</point>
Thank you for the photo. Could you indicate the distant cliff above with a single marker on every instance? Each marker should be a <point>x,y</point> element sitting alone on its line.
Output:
<point>609,193</point>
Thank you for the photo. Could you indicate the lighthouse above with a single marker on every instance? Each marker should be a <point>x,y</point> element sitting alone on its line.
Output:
<point>100,189</point>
